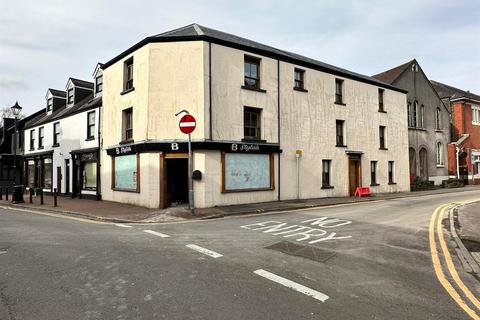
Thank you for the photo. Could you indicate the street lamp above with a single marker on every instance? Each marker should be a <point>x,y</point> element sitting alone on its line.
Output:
<point>17,196</point>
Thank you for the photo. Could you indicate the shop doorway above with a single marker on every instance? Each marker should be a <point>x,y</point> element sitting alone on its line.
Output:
<point>174,180</point>
<point>354,174</point>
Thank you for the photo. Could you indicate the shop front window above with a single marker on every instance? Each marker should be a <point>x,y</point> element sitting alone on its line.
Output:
<point>31,174</point>
<point>47,173</point>
<point>89,176</point>
<point>125,173</point>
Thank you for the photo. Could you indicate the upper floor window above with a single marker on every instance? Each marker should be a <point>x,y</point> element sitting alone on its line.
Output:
<point>91,125</point>
<point>127,124</point>
<point>339,91</point>
<point>41,136</point>
<point>340,140</point>
<point>414,114</point>
<point>251,123</point>
<point>98,84</point>
<point>380,100</point>
<point>128,75</point>
<point>251,70</point>
<point>49,104</point>
<point>382,133</point>
<point>56,133</point>
<point>438,119</point>
<point>299,76</point>
<point>421,117</point>
<point>476,115</point>
<point>409,114</point>
<point>32,139</point>
<point>70,96</point>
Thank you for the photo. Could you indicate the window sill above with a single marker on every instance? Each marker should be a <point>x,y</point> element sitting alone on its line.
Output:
<point>300,89</point>
<point>126,190</point>
<point>374,184</point>
<point>56,145</point>
<point>382,111</point>
<point>382,148</point>
<point>41,148</point>
<point>392,183</point>
<point>440,166</point>
<point>327,187</point>
<point>341,146</point>
<point>127,91</point>
<point>417,128</point>
<point>340,103</point>
<point>253,89</point>
<point>90,139</point>
<point>31,149</point>
<point>126,141</point>
<point>253,140</point>
<point>439,130</point>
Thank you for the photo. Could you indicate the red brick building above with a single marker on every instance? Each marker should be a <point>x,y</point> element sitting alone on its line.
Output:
<point>465,110</point>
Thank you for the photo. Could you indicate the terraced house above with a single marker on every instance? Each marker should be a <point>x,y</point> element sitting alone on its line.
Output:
<point>257,109</point>
<point>428,122</point>
<point>464,151</point>
<point>62,143</point>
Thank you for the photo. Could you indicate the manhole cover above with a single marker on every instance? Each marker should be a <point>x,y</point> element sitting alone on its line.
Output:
<point>3,250</point>
<point>309,252</point>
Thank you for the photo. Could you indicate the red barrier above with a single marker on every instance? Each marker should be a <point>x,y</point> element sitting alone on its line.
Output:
<point>362,192</point>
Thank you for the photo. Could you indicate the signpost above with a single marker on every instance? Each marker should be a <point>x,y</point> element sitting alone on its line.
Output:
<point>187,125</point>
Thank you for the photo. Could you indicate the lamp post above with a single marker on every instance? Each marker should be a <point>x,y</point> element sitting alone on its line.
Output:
<point>17,196</point>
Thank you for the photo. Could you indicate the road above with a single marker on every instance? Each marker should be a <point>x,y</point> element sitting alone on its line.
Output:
<point>359,261</point>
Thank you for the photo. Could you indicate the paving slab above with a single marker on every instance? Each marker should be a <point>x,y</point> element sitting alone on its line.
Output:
<point>469,223</point>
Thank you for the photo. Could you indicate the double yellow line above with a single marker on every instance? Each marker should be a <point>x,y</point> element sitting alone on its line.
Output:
<point>436,224</point>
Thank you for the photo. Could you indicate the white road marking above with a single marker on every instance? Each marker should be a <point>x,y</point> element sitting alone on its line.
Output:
<point>210,253</point>
<point>155,233</point>
<point>122,225</point>
<point>292,285</point>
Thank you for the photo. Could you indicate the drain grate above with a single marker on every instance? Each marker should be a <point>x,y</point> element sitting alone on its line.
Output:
<point>3,250</point>
<point>309,252</point>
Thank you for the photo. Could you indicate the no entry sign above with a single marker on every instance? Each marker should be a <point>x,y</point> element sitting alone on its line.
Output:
<point>187,124</point>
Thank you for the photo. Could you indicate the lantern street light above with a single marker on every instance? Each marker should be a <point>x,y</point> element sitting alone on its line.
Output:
<point>17,196</point>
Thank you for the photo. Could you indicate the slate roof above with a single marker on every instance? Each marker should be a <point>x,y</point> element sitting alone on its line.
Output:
<point>82,83</point>
<point>196,32</point>
<point>85,104</point>
<point>391,75</point>
<point>58,93</point>
<point>446,91</point>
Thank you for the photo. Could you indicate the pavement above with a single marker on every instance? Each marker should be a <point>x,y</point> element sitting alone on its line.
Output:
<point>108,211</point>
<point>369,260</point>
<point>469,228</point>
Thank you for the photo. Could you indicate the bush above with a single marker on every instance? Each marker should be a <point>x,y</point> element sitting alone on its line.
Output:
<point>419,184</point>
<point>453,183</point>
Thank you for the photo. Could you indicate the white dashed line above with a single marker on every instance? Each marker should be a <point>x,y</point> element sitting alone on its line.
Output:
<point>122,225</point>
<point>155,233</point>
<point>292,285</point>
<point>210,253</point>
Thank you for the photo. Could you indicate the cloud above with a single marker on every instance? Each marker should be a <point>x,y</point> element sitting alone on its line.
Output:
<point>42,43</point>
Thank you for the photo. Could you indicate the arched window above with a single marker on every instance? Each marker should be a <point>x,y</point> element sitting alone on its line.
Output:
<point>414,114</point>
<point>438,117</point>
<point>423,164</point>
<point>422,113</point>
<point>413,162</point>
<point>439,154</point>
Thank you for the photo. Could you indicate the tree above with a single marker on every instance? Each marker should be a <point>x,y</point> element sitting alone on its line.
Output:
<point>6,112</point>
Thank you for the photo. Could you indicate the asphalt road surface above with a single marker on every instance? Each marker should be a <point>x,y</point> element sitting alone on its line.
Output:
<point>359,261</point>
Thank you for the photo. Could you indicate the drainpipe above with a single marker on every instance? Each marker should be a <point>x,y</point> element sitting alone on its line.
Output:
<point>457,156</point>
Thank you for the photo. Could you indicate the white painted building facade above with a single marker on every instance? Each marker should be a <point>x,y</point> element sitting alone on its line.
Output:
<point>256,108</point>
<point>61,146</point>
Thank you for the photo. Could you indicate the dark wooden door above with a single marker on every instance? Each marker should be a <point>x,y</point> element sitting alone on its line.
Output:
<point>354,175</point>
<point>59,179</point>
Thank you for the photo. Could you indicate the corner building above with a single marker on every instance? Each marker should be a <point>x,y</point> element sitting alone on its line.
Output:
<point>257,108</point>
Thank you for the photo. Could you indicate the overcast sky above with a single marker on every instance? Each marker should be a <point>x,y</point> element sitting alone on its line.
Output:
<point>42,43</point>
